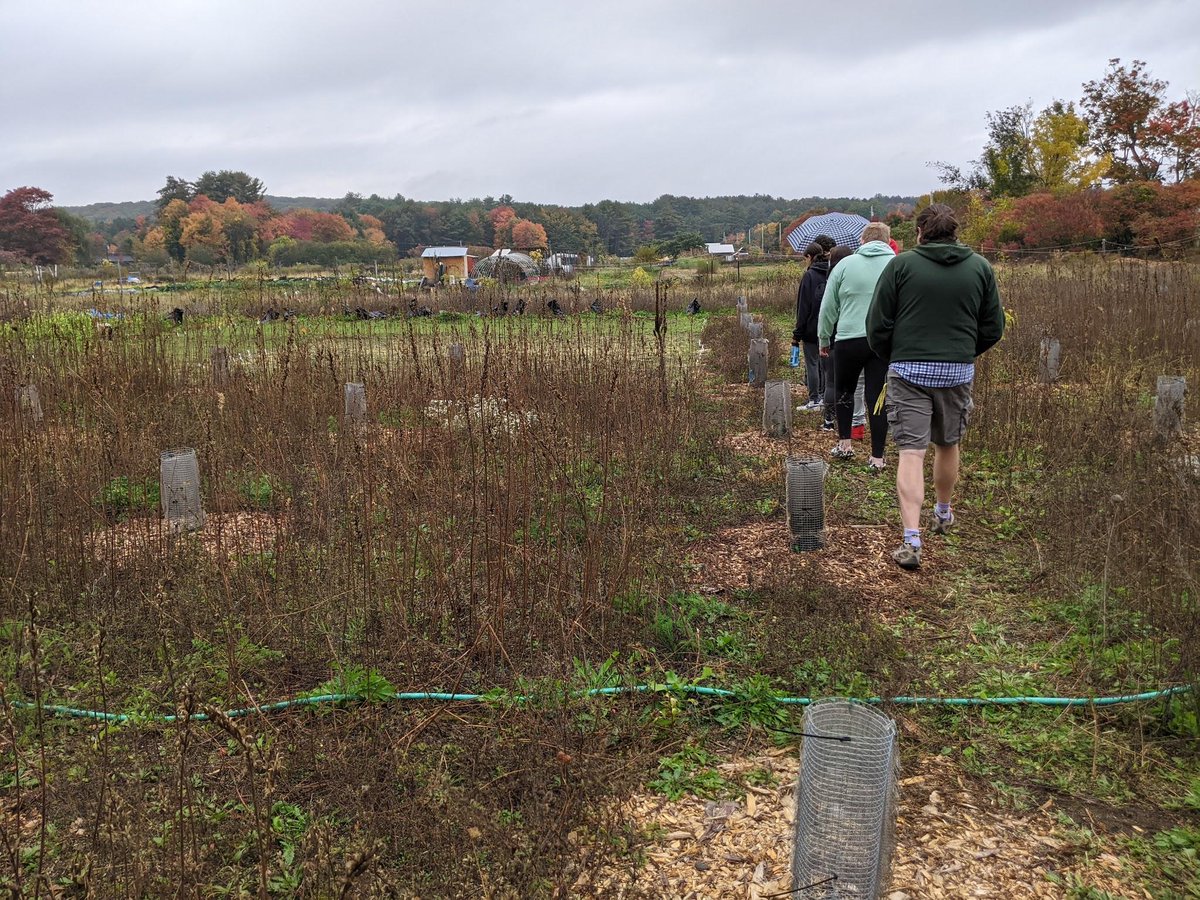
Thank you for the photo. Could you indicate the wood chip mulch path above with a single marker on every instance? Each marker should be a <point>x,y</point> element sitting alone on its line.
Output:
<point>234,533</point>
<point>951,842</point>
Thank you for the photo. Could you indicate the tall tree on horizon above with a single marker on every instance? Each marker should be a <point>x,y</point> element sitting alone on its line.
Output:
<point>1118,109</point>
<point>30,227</point>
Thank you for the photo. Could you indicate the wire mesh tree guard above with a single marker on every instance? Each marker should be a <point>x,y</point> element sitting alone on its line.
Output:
<point>804,490</point>
<point>756,359</point>
<point>845,802</point>
<point>179,489</point>
<point>1168,405</point>
<point>355,403</point>
<point>219,360</point>
<point>777,409</point>
<point>1049,360</point>
<point>29,403</point>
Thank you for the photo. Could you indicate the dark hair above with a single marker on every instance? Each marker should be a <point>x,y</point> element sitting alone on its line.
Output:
<point>815,251</point>
<point>825,241</point>
<point>838,254</point>
<point>938,224</point>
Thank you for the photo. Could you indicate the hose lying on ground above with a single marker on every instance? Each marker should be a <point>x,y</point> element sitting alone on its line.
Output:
<point>693,689</point>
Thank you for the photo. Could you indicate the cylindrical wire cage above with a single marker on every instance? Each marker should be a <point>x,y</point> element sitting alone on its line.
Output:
<point>777,409</point>
<point>179,489</point>
<point>29,403</point>
<point>754,330</point>
<point>355,403</point>
<point>457,356</point>
<point>219,359</point>
<point>756,360</point>
<point>742,305</point>
<point>745,320</point>
<point>805,502</point>
<point>1049,360</point>
<point>1168,404</point>
<point>845,800</point>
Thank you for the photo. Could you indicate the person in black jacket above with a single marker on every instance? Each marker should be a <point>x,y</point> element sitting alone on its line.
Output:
<point>808,309</point>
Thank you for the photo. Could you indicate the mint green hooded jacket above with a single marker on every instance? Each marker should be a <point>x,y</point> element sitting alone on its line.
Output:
<point>849,290</point>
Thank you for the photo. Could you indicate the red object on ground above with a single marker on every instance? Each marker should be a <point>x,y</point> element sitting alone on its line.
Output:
<point>858,432</point>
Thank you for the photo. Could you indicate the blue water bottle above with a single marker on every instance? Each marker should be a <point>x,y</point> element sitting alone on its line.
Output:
<point>795,357</point>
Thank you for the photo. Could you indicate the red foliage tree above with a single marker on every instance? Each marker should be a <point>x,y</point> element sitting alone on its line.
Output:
<point>1046,220</point>
<point>330,227</point>
<point>502,218</point>
<point>528,235</point>
<point>1176,130</point>
<point>1149,214</point>
<point>30,229</point>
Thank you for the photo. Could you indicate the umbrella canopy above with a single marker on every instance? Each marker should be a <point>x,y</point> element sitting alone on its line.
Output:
<point>842,227</point>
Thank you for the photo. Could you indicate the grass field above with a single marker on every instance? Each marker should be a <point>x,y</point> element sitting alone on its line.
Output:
<point>582,503</point>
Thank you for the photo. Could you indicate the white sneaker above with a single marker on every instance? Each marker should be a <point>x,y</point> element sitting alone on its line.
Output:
<point>812,406</point>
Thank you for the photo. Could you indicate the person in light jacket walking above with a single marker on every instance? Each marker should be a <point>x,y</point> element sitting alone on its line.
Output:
<point>848,296</point>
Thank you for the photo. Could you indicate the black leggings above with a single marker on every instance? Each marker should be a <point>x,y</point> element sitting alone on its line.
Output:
<point>850,359</point>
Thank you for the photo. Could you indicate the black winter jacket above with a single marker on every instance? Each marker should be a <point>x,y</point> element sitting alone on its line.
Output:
<point>808,301</point>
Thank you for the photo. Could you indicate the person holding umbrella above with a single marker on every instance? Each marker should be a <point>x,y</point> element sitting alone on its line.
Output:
<point>848,294</point>
<point>842,228</point>
<point>808,308</point>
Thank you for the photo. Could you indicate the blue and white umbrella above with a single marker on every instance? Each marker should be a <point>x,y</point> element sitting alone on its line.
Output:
<point>844,228</point>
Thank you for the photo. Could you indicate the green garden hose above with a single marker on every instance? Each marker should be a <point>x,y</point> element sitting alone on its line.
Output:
<point>694,689</point>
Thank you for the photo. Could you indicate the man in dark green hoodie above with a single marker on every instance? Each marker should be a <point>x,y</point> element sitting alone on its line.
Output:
<point>934,311</point>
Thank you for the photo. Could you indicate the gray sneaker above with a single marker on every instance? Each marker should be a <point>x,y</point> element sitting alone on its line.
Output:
<point>907,556</point>
<point>940,525</point>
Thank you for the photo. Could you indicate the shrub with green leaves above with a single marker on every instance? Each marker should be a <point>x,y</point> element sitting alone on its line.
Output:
<point>123,496</point>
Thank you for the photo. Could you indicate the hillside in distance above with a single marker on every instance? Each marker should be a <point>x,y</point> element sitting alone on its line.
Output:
<point>131,209</point>
<point>746,209</point>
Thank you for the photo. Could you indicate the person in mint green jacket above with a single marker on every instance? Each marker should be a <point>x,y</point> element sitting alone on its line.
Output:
<point>844,308</point>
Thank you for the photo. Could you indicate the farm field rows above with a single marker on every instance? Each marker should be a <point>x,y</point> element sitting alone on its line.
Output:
<point>578,504</point>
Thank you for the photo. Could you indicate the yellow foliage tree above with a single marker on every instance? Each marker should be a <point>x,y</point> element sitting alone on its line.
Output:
<point>1058,155</point>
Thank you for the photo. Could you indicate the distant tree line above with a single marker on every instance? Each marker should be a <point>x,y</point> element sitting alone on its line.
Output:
<point>225,218</point>
<point>609,227</point>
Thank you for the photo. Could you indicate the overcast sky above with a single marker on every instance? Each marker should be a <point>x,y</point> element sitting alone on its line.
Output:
<point>550,102</point>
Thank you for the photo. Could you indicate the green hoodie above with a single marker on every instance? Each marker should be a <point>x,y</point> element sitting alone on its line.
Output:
<point>937,303</point>
<point>849,290</point>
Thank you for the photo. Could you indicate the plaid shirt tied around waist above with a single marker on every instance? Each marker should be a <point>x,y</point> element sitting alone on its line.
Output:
<point>934,374</point>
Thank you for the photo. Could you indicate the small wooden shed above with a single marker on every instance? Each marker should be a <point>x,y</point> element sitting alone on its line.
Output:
<point>457,261</point>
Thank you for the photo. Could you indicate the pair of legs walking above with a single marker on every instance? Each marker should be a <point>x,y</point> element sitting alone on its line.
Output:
<point>910,481</point>
<point>819,379</point>
<point>830,399</point>
<point>920,416</point>
<point>852,358</point>
<point>814,372</point>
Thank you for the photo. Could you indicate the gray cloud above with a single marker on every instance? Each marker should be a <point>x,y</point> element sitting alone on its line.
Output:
<point>559,102</point>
